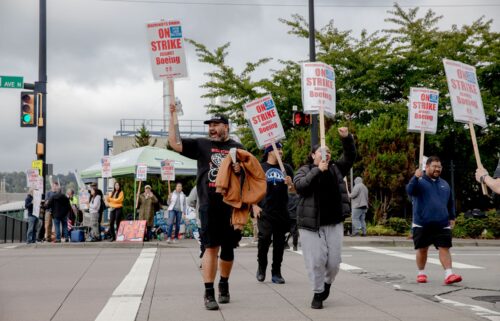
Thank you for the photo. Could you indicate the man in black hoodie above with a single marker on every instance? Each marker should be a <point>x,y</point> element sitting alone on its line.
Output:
<point>59,206</point>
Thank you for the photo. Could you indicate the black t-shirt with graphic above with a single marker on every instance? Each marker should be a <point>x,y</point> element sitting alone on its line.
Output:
<point>275,204</point>
<point>209,155</point>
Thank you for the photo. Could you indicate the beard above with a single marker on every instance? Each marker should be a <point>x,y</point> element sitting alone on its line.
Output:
<point>218,136</point>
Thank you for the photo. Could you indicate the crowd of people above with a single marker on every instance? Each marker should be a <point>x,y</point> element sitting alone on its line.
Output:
<point>232,185</point>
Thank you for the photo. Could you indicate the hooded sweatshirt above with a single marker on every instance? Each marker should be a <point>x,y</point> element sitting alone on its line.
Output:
<point>359,194</point>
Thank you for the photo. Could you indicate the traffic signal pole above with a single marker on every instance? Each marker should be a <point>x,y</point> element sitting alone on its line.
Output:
<point>312,58</point>
<point>41,88</point>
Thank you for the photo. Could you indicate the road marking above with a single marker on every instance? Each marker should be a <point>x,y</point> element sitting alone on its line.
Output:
<point>8,247</point>
<point>343,266</point>
<point>480,311</point>
<point>126,299</point>
<point>412,257</point>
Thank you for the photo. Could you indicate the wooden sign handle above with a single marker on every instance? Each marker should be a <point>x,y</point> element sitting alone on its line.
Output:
<point>322,132</point>
<point>421,152</point>
<point>484,188</point>
<point>137,197</point>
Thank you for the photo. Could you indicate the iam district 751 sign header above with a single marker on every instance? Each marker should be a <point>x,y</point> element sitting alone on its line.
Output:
<point>166,48</point>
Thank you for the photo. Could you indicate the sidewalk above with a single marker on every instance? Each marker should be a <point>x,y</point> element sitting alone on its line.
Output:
<point>385,241</point>
<point>75,281</point>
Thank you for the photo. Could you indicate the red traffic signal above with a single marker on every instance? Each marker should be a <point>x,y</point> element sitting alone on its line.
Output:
<point>28,109</point>
<point>301,119</point>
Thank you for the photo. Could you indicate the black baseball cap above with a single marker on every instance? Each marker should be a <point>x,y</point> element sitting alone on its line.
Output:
<point>217,118</point>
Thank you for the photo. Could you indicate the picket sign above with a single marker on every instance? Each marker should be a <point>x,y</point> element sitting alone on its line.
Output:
<point>262,115</point>
<point>422,114</point>
<point>466,102</point>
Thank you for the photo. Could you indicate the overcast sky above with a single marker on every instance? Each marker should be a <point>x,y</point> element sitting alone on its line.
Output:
<point>99,70</point>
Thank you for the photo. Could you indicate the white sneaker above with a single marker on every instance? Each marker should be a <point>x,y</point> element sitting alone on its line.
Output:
<point>168,240</point>
<point>175,241</point>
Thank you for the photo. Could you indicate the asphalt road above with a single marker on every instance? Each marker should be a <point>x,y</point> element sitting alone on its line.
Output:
<point>110,281</point>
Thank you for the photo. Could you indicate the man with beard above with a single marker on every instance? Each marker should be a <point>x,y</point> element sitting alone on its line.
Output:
<point>433,218</point>
<point>216,231</point>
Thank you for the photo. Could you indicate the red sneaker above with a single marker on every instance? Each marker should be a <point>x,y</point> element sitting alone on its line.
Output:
<point>421,278</point>
<point>452,278</point>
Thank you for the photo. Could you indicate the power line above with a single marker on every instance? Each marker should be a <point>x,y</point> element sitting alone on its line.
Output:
<point>242,4</point>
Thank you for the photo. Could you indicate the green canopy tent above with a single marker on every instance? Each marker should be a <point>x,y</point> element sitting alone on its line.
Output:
<point>125,163</point>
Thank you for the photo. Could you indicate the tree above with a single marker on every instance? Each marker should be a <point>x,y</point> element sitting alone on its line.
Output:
<point>143,138</point>
<point>374,74</point>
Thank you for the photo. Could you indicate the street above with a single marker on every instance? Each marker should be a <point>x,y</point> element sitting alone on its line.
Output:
<point>112,281</point>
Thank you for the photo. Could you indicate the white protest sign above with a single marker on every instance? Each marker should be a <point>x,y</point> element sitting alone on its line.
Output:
<point>32,177</point>
<point>37,201</point>
<point>166,48</point>
<point>464,91</point>
<point>318,88</point>
<point>84,199</point>
<point>106,166</point>
<point>142,172</point>
<point>167,170</point>
<point>264,120</point>
<point>423,110</point>
<point>39,183</point>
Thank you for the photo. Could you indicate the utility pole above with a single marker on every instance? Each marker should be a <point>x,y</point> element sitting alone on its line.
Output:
<point>41,91</point>
<point>312,58</point>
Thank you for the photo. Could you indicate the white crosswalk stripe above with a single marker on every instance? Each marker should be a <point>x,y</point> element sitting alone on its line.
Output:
<point>343,266</point>
<point>406,256</point>
<point>126,299</point>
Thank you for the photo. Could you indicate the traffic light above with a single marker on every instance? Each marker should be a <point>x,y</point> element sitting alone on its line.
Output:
<point>301,119</point>
<point>28,109</point>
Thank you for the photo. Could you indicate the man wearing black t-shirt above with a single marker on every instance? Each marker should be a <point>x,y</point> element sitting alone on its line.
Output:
<point>216,231</point>
<point>272,214</point>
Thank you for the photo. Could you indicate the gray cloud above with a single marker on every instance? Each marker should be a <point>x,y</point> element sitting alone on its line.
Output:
<point>99,69</point>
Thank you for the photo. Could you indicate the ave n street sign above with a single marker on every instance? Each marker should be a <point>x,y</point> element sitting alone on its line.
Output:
<point>11,82</point>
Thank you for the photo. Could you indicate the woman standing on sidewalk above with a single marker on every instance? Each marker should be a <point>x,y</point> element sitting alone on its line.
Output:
<point>95,205</point>
<point>322,207</point>
<point>115,205</point>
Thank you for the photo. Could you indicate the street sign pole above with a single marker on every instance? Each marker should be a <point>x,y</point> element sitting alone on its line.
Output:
<point>41,88</point>
<point>312,58</point>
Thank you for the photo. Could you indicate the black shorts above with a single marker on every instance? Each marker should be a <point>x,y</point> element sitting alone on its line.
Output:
<point>216,228</point>
<point>425,236</point>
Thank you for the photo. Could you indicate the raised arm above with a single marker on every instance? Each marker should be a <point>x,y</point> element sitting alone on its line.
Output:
<point>172,132</point>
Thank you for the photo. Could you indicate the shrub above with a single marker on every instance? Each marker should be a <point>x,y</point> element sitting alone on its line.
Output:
<point>398,224</point>
<point>471,227</point>
<point>248,228</point>
<point>380,230</point>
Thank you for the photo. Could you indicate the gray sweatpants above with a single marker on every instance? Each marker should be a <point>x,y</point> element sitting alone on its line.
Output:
<point>321,251</point>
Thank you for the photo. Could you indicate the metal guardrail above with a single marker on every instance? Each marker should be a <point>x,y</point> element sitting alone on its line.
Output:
<point>129,127</point>
<point>12,230</point>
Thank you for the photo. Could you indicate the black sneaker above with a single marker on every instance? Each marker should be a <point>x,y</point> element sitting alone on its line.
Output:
<point>261,274</point>
<point>277,278</point>
<point>317,302</point>
<point>326,292</point>
<point>224,296</point>
<point>210,303</point>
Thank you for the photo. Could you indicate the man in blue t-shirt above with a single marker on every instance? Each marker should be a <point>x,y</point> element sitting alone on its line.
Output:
<point>433,218</point>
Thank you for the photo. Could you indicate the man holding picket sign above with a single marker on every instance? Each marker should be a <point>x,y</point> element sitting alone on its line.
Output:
<point>272,211</point>
<point>324,202</point>
<point>216,232</point>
